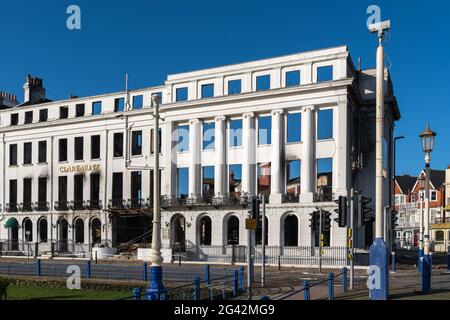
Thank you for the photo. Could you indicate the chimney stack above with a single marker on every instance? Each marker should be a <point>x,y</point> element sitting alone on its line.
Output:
<point>34,92</point>
<point>7,100</point>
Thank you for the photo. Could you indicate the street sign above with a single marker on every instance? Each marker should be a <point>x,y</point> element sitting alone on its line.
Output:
<point>250,224</point>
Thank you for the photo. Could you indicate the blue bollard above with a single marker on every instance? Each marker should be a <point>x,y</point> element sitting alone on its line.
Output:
<point>241,278</point>
<point>344,279</point>
<point>145,272</point>
<point>394,262</point>
<point>306,285</point>
<point>137,293</point>
<point>235,283</point>
<point>197,288</point>
<point>420,256</point>
<point>330,286</point>
<point>207,274</point>
<point>89,270</point>
<point>448,259</point>
<point>38,267</point>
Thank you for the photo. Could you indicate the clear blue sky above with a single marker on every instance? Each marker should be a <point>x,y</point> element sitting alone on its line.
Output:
<point>150,39</point>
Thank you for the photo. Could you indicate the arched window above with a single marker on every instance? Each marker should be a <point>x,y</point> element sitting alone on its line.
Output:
<point>233,230</point>
<point>79,231</point>
<point>43,230</point>
<point>28,230</point>
<point>205,231</point>
<point>291,231</point>
<point>96,229</point>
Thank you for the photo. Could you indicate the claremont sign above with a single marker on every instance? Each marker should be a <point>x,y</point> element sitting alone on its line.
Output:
<point>80,168</point>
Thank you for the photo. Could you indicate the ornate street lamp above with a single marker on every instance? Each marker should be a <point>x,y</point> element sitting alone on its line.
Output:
<point>427,138</point>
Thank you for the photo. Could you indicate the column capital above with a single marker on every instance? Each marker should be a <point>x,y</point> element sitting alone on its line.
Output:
<point>248,115</point>
<point>277,111</point>
<point>220,118</point>
<point>194,121</point>
<point>308,108</point>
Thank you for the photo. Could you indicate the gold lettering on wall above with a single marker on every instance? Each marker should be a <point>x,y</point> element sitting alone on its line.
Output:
<point>80,168</point>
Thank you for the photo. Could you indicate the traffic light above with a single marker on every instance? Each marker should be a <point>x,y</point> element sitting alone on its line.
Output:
<point>366,216</point>
<point>394,219</point>
<point>326,221</point>
<point>341,211</point>
<point>254,209</point>
<point>314,220</point>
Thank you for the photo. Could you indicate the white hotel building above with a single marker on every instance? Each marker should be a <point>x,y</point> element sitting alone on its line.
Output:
<point>299,129</point>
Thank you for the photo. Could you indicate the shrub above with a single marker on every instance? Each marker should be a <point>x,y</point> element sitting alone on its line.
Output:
<point>4,283</point>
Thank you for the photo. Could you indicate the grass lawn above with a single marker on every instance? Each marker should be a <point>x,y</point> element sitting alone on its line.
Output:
<point>17,292</point>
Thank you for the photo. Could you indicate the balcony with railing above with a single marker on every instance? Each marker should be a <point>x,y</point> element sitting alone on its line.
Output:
<point>95,204</point>
<point>291,198</point>
<point>61,205</point>
<point>324,194</point>
<point>229,200</point>
<point>11,207</point>
<point>78,205</point>
<point>42,206</point>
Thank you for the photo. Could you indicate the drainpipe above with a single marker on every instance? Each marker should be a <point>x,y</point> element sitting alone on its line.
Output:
<point>105,196</point>
<point>4,175</point>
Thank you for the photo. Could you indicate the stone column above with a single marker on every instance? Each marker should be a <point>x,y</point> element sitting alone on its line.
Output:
<point>220,156</point>
<point>169,153</point>
<point>195,165</point>
<point>342,168</point>
<point>249,153</point>
<point>308,161</point>
<point>277,172</point>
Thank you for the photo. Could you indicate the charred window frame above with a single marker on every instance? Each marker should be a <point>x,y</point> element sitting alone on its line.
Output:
<point>62,150</point>
<point>136,188</point>
<point>63,112</point>
<point>117,188</point>
<point>28,117</point>
<point>42,193</point>
<point>79,110</point>
<point>14,119</point>
<point>13,193</point>
<point>62,190</point>
<point>13,154</point>
<point>43,115</point>
<point>78,190</point>
<point>27,153</point>
<point>118,144</point>
<point>95,190</point>
<point>136,143</point>
<point>27,194</point>
<point>78,146</point>
<point>95,147</point>
<point>42,154</point>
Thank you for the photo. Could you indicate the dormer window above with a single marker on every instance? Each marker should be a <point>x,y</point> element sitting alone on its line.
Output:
<point>28,117</point>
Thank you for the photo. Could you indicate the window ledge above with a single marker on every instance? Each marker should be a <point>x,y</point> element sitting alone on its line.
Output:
<point>27,165</point>
<point>42,163</point>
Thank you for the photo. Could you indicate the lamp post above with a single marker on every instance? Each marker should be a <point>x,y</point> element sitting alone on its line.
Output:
<point>378,252</point>
<point>156,285</point>
<point>427,138</point>
<point>421,216</point>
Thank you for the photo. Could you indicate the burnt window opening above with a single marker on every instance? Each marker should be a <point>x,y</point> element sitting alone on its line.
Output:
<point>62,191</point>
<point>291,231</point>
<point>95,147</point>
<point>13,154</point>
<point>78,148</point>
<point>63,112</point>
<point>96,234</point>
<point>95,190</point>
<point>43,230</point>
<point>27,153</point>
<point>208,181</point>
<point>118,144</point>
<point>79,110</point>
<point>233,231</point>
<point>62,148</point>
<point>14,119</point>
<point>42,155</point>
<point>27,194</point>
<point>136,188</point>
<point>136,143</point>
<point>79,231</point>
<point>13,194</point>
<point>205,231</point>
<point>43,115</point>
<point>78,192</point>
<point>117,189</point>
<point>152,141</point>
<point>42,194</point>
<point>28,117</point>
